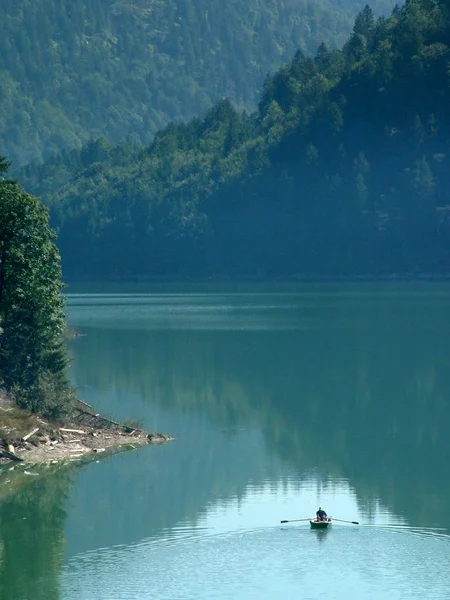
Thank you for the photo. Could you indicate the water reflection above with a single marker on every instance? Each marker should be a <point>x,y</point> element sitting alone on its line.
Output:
<point>351,385</point>
<point>278,404</point>
<point>321,536</point>
<point>32,539</point>
<point>235,553</point>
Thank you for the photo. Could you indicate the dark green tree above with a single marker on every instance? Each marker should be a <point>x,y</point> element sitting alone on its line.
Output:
<point>32,323</point>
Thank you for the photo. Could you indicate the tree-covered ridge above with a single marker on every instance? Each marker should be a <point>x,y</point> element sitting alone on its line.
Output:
<point>78,69</point>
<point>343,170</point>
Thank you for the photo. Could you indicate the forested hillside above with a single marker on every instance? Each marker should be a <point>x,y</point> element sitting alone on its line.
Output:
<point>343,170</point>
<point>75,69</point>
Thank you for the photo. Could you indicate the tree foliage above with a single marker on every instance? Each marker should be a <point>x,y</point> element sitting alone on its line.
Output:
<point>79,69</point>
<point>342,170</point>
<point>32,354</point>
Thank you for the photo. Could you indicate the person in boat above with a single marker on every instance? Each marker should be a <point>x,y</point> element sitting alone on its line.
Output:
<point>321,515</point>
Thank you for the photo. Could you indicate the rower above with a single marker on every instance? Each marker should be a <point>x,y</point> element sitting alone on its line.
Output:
<point>321,515</point>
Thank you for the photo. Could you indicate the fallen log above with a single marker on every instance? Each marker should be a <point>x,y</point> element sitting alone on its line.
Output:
<point>25,437</point>
<point>72,430</point>
<point>10,455</point>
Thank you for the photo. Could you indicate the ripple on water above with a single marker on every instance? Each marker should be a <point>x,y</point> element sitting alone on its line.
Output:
<point>288,562</point>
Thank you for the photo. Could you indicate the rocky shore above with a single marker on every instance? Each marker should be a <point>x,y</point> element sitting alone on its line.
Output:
<point>26,438</point>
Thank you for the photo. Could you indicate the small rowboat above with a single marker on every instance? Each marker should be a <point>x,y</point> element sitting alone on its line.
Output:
<point>315,524</point>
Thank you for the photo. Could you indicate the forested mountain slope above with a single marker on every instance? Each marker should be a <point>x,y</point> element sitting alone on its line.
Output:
<point>75,69</point>
<point>343,170</point>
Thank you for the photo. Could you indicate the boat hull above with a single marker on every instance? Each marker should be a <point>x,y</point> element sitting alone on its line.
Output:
<point>320,524</point>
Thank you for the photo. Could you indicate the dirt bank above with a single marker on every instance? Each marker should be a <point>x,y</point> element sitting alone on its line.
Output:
<point>27,438</point>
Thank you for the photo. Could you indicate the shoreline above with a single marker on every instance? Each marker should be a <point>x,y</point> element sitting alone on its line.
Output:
<point>27,439</point>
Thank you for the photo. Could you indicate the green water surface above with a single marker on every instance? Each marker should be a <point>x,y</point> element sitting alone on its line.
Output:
<point>280,399</point>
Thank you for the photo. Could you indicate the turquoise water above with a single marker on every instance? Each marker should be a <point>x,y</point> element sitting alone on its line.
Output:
<point>279,400</point>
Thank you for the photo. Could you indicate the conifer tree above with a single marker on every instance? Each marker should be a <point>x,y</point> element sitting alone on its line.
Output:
<point>32,353</point>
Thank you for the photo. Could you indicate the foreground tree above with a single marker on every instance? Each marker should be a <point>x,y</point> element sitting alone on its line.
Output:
<point>33,358</point>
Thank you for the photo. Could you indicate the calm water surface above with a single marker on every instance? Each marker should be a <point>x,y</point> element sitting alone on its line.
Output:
<point>279,399</point>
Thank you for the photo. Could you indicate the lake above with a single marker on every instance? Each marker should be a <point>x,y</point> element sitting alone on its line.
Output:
<point>280,399</point>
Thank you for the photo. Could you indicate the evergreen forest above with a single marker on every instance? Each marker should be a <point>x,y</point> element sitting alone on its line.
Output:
<point>343,170</point>
<point>75,69</point>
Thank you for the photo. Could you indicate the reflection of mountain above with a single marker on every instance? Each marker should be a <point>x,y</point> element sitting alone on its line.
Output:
<point>355,384</point>
<point>32,539</point>
<point>146,493</point>
<point>356,387</point>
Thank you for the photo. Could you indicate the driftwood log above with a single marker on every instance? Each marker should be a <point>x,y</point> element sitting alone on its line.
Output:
<point>10,455</point>
<point>72,430</point>
<point>26,437</point>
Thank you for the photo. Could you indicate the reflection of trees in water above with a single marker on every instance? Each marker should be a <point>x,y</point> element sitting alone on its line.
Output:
<point>363,397</point>
<point>33,539</point>
<point>362,393</point>
<point>148,493</point>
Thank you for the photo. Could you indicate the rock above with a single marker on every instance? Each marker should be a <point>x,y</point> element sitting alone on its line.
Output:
<point>158,437</point>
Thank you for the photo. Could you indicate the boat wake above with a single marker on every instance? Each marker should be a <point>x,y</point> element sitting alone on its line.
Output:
<point>434,532</point>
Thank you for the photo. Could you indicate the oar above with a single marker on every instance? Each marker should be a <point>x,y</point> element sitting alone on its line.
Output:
<point>296,520</point>
<point>342,521</point>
